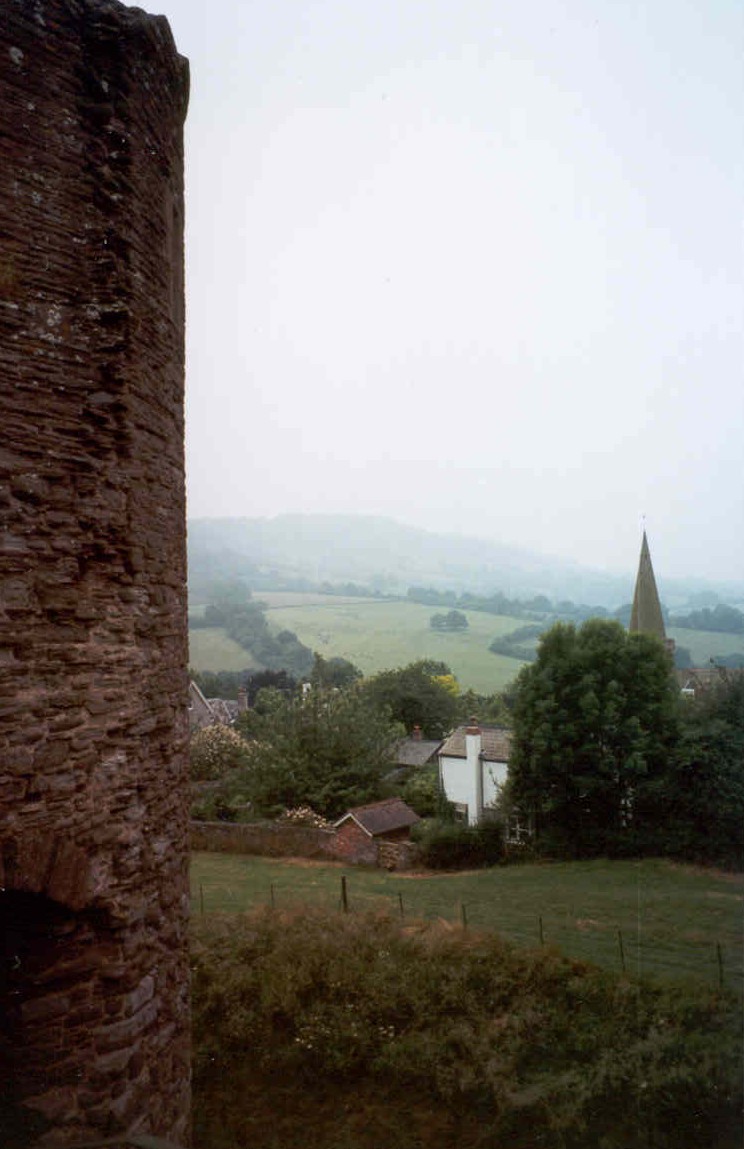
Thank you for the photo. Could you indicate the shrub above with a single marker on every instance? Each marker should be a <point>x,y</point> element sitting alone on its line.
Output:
<point>522,1048</point>
<point>214,751</point>
<point>452,845</point>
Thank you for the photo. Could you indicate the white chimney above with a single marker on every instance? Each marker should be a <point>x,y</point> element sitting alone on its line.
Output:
<point>474,767</point>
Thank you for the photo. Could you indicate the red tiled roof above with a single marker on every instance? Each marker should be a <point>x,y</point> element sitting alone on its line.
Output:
<point>495,744</point>
<point>382,817</point>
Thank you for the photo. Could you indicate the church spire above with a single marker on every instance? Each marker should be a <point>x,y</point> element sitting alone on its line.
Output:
<point>646,617</point>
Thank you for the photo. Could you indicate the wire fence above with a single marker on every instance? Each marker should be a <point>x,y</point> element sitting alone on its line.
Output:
<point>639,951</point>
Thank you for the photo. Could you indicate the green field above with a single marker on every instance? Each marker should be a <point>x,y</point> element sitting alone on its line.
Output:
<point>211,649</point>
<point>706,644</point>
<point>672,919</point>
<point>378,635</point>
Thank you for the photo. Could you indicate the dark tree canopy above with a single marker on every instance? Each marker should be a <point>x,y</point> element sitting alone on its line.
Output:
<point>452,620</point>
<point>415,695</point>
<point>595,731</point>
<point>705,811</point>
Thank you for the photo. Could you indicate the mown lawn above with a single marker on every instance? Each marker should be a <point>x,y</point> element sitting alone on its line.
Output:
<point>673,920</point>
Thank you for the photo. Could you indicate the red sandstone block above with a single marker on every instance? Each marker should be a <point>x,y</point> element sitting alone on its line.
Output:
<point>58,1106</point>
<point>45,1008</point>
<point>141,994</point>
<point>121,1032</point>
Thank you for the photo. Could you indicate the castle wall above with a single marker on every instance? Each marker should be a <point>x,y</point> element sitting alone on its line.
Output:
<point>93,686</point>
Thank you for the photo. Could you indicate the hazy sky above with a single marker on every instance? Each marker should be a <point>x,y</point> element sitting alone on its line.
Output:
<point>473,264</point>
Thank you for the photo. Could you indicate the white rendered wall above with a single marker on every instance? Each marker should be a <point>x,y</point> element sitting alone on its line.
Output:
<point>459,783</point>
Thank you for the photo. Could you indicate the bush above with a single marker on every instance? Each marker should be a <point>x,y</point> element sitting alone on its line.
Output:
<point>522,1048</point>
<point>214,751</point>
<point>454,846</point>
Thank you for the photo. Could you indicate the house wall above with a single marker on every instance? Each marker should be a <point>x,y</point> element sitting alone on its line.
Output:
<point>458,784</point>
<point>494,779</point>
<point>459,779</point>
<point>93,687</point>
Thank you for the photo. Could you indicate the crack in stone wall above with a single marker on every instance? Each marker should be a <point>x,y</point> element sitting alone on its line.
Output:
<point>93,654</point>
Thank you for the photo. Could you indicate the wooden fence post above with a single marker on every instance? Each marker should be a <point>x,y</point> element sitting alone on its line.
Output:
<point>344,895</point>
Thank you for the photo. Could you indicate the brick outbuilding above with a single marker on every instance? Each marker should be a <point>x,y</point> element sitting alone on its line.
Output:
<point>378,834</point>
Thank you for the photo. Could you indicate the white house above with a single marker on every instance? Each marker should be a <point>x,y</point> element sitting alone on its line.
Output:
<point>473,764</point>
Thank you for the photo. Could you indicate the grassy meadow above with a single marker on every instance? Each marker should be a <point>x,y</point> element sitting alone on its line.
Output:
<point>672,918</point>
<point>211,649</point>
<point>378,635</point>
<point>706,644</point>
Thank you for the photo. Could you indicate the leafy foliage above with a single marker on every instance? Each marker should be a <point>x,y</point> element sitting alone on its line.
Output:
<point>420,694</point>
<point>705,805</point>
<point>595,729</point>
<point>448,845</point>
<point>452,620</point>
<point>214,751</point>
<point>520,1048</point>
<point>334,673</point>
<point>721,618</point>
<point>246,624</point>
<point>328,750</point>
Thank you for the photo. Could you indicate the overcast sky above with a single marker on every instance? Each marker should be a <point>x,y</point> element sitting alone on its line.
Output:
<point>473,264</point>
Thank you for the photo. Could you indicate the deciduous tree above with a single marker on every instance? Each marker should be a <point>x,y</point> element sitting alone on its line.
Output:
<point>595,733</point>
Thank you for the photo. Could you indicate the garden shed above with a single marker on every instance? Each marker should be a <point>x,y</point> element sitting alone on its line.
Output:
<point>378,834</point>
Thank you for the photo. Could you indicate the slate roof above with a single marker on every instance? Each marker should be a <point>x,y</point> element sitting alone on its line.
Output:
<point>225,710</point>
<point>382,817</point>
<point>415,751</point>
<point>495,744</point>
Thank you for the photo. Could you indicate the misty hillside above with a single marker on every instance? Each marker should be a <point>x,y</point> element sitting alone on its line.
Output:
<point>306,550</point>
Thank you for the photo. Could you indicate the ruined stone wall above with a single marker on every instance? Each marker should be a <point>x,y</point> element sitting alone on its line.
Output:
<point>93,688</point>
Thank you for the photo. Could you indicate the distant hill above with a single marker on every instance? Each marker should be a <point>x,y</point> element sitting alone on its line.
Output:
<point>300,552</point>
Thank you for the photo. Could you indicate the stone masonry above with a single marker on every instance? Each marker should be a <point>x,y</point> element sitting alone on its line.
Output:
<point>93,688</point>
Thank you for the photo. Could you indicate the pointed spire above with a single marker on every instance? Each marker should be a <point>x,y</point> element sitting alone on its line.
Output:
<point>646,616</point>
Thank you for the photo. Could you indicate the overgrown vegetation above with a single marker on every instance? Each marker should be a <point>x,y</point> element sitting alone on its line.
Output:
<point>329,750</point>
<point>426,1036</point>
<point>448,845</point>
<point>608,759</point>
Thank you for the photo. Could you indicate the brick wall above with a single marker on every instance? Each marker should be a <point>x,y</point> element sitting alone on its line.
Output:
<point>93,726</point>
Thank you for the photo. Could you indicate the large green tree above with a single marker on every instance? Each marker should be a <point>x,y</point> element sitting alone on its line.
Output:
<point>595,734</point>
<point>419,694</point>
<point>705,812</point>
<point>329,750</point>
